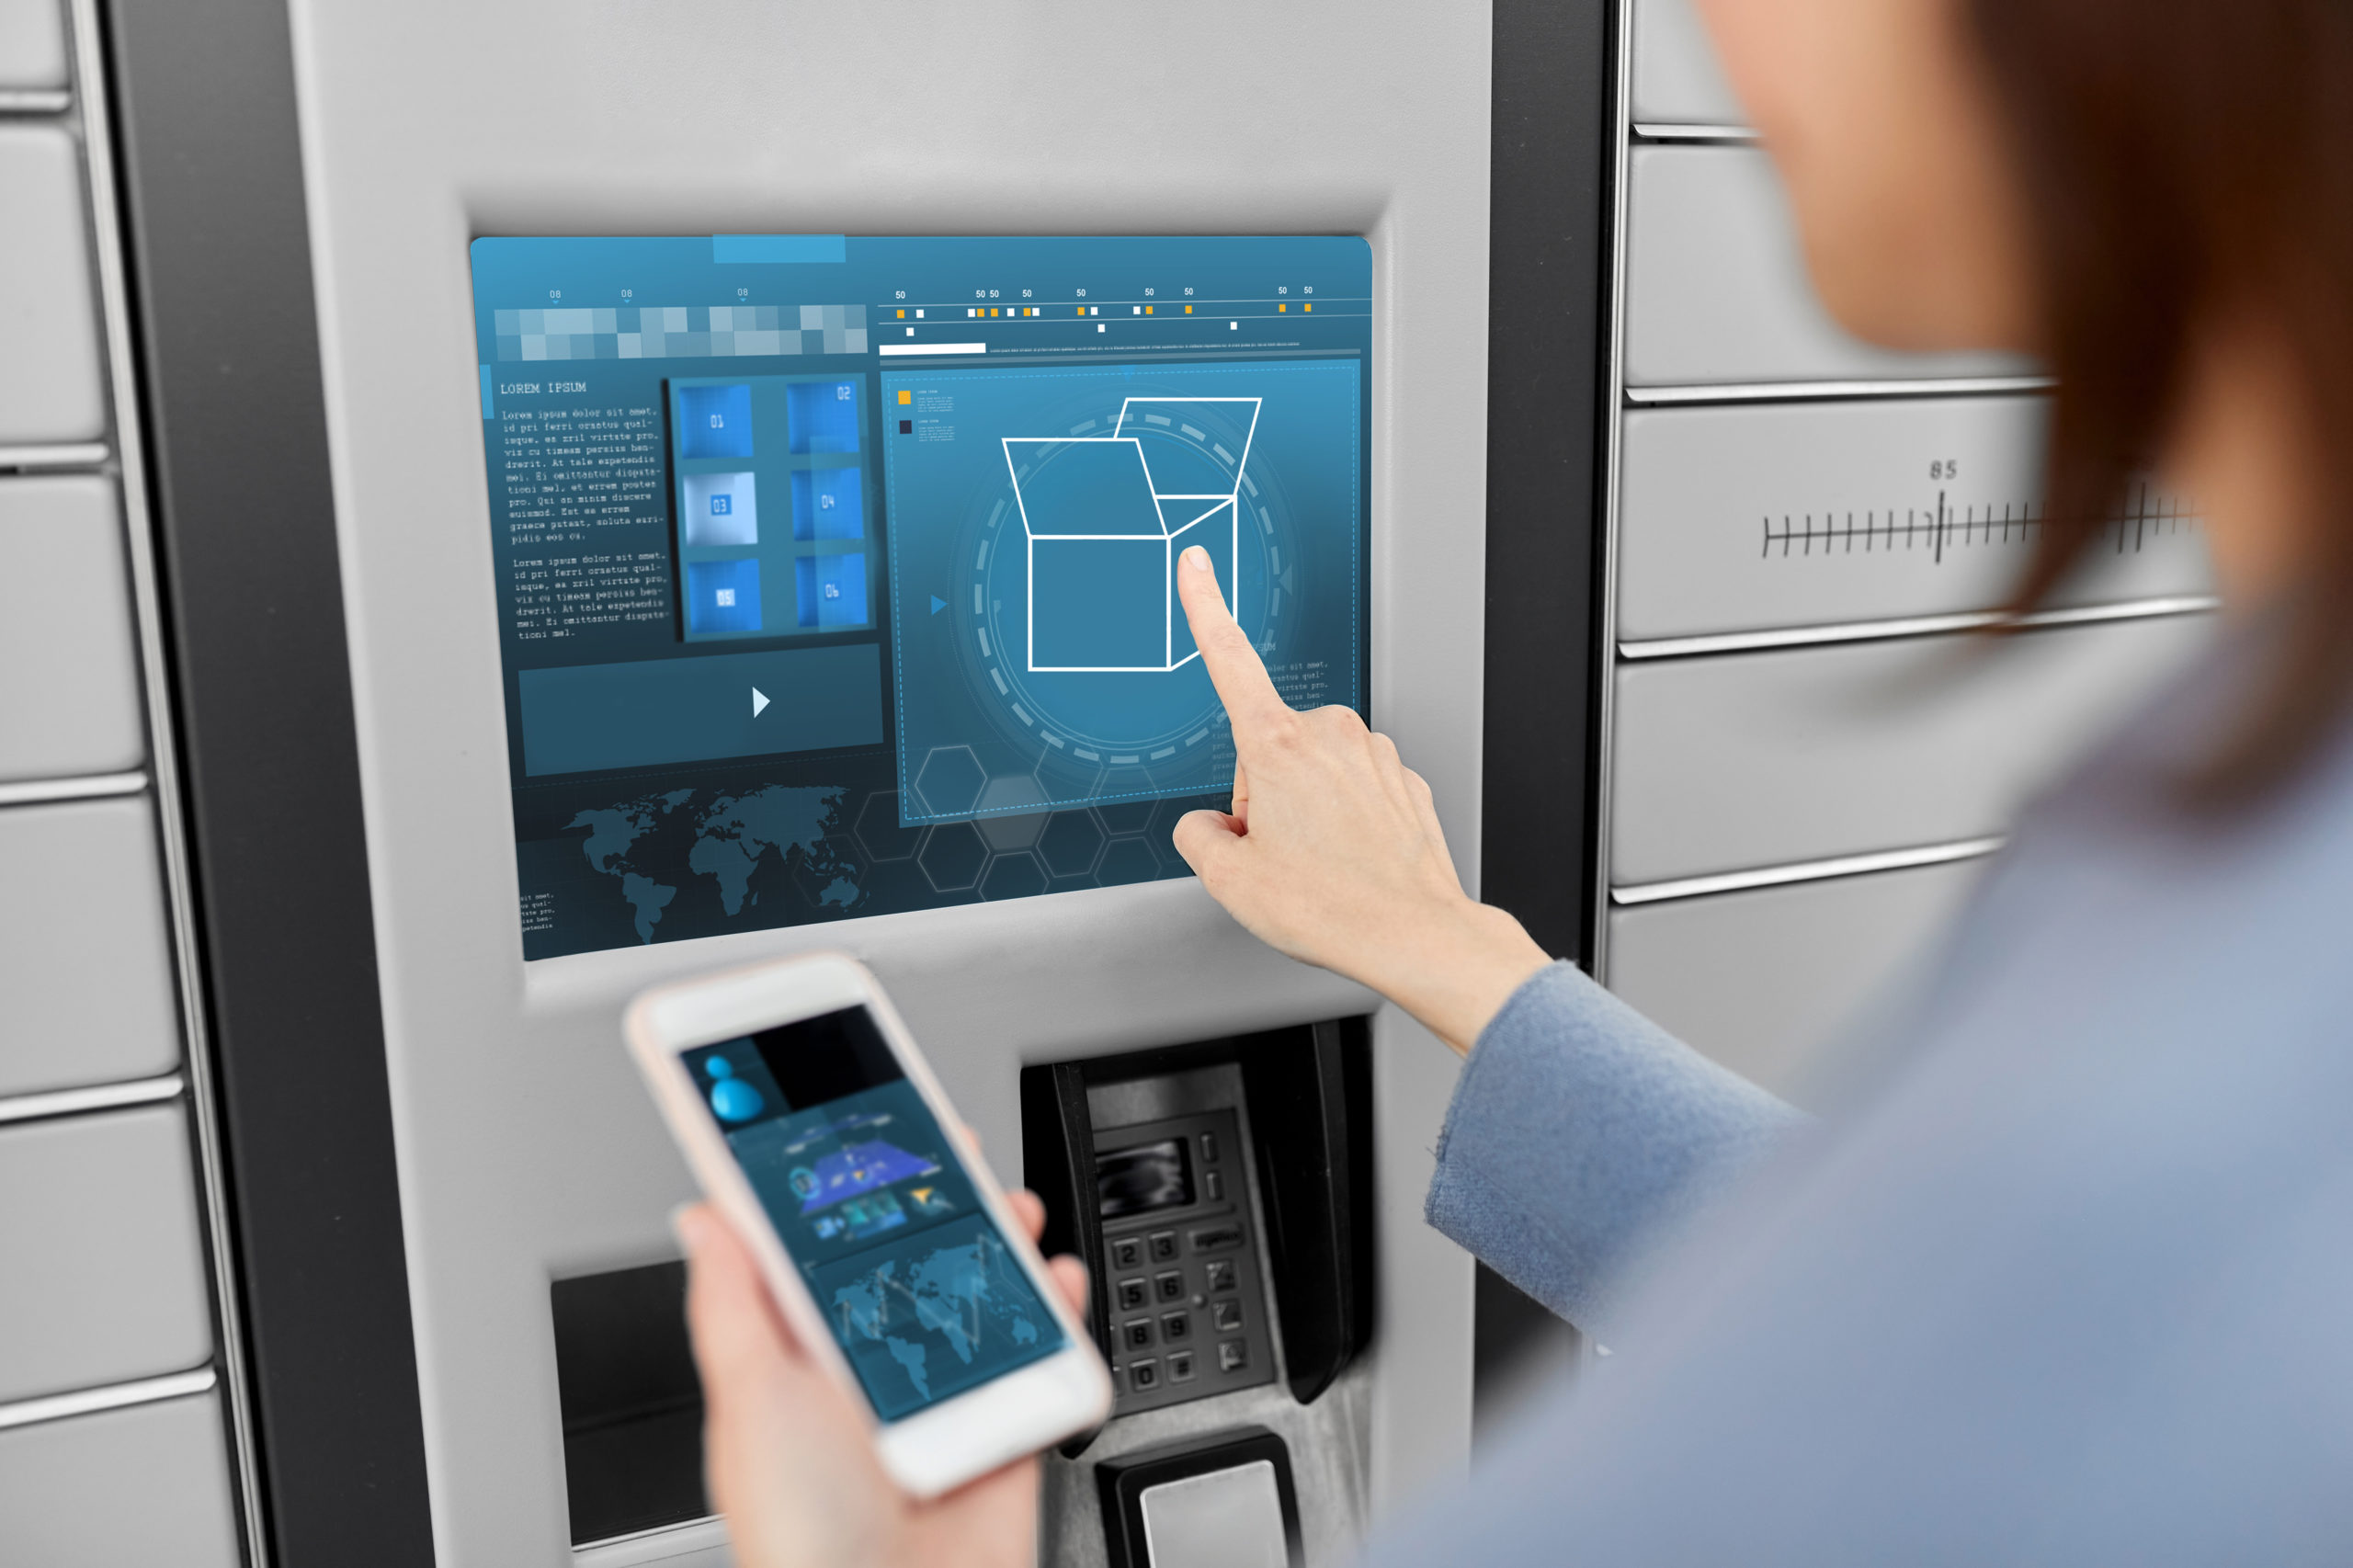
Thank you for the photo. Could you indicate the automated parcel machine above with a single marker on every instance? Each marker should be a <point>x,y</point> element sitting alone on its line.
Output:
<point>757,440</point>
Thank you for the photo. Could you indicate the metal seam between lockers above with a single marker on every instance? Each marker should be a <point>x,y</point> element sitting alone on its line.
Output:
<point>51,1103</point>
<point>1831,391</point>
<point>88,787</point>
<point>1831,870</point>
<point>1613,484</point>
<point>68,457</point>
<point>111,1396</point>
<point>1912,626</point>
<point>1736,135</point>
<point>89,67</point>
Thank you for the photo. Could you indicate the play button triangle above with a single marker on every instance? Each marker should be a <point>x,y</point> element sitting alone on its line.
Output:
<point>759,702</point>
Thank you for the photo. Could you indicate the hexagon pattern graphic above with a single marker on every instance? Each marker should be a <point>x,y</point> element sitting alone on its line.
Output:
<point>950,780</point>
<point>954,857</point>
<point>1071,843</point>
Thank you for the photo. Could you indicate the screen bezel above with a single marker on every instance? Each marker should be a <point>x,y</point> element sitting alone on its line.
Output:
<point>961,1437</point>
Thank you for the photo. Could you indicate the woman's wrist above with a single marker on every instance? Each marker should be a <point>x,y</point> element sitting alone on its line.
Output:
<point>1456,969</point>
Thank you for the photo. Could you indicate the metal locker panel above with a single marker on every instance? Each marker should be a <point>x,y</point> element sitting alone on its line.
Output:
<point>32,44</point>
<point>146,1485</point>
<point>85,963</point>
<point>105,1281</point>
<point>50,386</point>
<point>1786,515</point>
<point>1767,759</point>
<point>1716,286</point>
<point>1764,982</point>
<point>1677,80</point>
<point>69,663</point>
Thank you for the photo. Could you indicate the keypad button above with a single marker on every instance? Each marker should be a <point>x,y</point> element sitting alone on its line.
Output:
<point>1209,1148</point>
<point>1227,1316</point>
<point>1143,1376</point>
<point>1164,1246</point>
<point>1134,1294</point>
<point>1128,1253</point>
<point>1218,1238</point>
<point>1175,1327</point>
<point>1213,1186</point>
<point>1219,1274</point>
<point>1180,1366</point>
<point>1171,1286</point>
<point>1232,1355</point>
<point>1139,1334</point>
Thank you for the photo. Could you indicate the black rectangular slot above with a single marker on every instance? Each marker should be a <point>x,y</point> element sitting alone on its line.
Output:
<point>632,1405</point>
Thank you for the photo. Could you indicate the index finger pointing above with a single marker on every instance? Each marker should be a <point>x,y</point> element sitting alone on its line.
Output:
<point>1250,698</point>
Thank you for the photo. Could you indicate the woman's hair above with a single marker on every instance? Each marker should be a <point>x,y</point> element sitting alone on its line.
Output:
<point>2187,162</point>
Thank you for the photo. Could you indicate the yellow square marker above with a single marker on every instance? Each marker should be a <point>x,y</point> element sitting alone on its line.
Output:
<point>903,315</point>
<point>1188,310</point>
<point>906,397</point>
<point>1281,308</point>
<point>1147,310</point>
<point>1307,307</point>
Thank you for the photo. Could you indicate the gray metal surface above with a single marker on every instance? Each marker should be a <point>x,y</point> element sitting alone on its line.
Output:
<point>1764,982</point>
<point>1227,1518</point>
<point>32,43</point>
<point>1677,80</point>
<point>1743,519</point>
<point>1716,286</point>
<point>49,378</point>
<point>105,1279</point>
<point>1760,759</point>
<point>69,663</point>
<point>85,960</point>
<point>134,1488</point>
<point>526,1145</point>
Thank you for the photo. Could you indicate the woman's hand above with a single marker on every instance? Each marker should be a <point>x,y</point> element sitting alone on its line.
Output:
<point>1332,852</point>
<point>787,1450</point>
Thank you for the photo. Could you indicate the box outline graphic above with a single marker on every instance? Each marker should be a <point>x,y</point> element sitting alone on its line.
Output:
<point>1229,502</point>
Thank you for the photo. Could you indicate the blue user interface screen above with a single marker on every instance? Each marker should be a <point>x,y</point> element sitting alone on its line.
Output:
<point>874,1207</point>
<point>837,574</point>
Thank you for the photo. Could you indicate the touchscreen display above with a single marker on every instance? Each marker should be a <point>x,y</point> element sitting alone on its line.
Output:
<point>836,575</point>
<point>873,1203</point>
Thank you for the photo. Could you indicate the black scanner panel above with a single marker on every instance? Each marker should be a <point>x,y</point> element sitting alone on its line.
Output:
<point>1187,1307</point>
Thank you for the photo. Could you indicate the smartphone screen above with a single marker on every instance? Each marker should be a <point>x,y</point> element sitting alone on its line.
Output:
<point>874,1206</point>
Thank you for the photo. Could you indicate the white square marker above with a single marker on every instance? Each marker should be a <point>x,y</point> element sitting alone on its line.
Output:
<point>918,315</point>
<point>1102,326</point>
<point>1233,326</point>
<point>911,331</point>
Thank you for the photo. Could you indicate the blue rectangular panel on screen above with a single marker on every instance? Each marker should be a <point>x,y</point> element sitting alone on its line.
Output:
<point>823,416</point>
<point>722,723</point>
<point>831,590</point>
<point>1044,534</point>
<point>829,502</point>
<point>1098,603</point>
<point>722,596</point>
<point>718,509</point>
<point>715,421</point>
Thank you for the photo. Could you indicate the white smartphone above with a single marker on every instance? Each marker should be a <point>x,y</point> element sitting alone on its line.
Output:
<point>818,1130</point>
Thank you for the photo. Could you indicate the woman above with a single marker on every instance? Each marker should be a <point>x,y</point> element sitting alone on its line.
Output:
<point>2068,1278</point>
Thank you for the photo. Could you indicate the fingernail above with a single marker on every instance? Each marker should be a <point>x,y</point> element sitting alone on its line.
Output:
<point>1198,559</point>
<point>687,1224</point>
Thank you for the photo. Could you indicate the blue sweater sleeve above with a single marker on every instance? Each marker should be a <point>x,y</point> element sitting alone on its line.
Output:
<point>1581,1135</point>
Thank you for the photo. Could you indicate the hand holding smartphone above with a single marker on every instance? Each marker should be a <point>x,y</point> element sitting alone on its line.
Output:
<point>816,1127</point>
